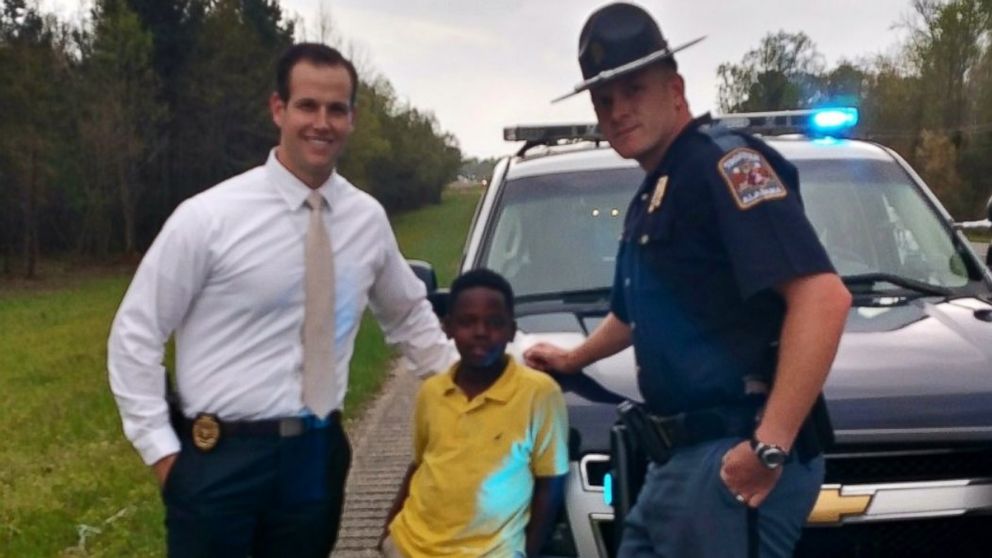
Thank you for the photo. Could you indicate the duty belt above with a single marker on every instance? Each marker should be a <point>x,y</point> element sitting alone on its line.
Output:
<point>659,436</point>
<point>694,427</point>
<point>206,430</point>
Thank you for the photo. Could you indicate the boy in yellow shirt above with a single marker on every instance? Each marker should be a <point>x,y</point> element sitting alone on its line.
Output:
<point>490,442</point>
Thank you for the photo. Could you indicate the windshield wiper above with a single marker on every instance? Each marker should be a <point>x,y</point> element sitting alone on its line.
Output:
<point>898,280</point>
<point>585,295</point>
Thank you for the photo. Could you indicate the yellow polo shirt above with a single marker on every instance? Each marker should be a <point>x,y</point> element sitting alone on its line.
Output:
<point>476,462</point>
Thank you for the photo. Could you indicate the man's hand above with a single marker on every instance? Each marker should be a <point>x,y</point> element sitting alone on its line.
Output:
<point>746,477</point>
<point>163,467</point>
<point>609,338</point>
<point>549,358</point>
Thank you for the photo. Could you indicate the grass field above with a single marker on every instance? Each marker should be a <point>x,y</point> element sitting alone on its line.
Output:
<point>979,236</point>
<point>70,485</point>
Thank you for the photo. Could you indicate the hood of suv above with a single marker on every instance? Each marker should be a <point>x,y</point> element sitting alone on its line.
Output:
<point>916,371</point>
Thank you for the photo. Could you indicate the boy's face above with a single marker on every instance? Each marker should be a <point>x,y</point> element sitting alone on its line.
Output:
<point>480,325</point>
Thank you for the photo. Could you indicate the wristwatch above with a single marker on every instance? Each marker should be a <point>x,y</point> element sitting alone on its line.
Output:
<point>770,455</point>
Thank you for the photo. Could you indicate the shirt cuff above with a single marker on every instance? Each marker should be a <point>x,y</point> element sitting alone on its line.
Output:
<point>157,444</point>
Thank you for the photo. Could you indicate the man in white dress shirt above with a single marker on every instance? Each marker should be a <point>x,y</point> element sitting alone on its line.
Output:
<point>250,469</point>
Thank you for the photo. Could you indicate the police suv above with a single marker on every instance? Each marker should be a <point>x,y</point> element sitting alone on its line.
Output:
<point>910,392</point>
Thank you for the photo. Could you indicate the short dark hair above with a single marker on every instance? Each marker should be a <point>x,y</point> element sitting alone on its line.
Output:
<point>315,53</point>
<point>480,277</point>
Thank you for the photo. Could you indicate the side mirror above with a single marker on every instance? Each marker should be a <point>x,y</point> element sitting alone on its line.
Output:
<point>437,297</point>
<point>425,272</point>
<point>983,225</point>
<point>988,215</point>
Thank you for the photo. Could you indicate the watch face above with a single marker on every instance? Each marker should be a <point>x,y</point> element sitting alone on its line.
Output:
<point>773,457</point>
<point>770,455</point>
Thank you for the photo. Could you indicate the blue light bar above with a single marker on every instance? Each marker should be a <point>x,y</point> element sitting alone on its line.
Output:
<point>811,122</point>
<point>608,489</point>
<point>832,120</point>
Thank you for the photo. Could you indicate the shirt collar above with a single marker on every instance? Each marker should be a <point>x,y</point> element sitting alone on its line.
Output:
<point>293,190</point>
<point>501,390</point>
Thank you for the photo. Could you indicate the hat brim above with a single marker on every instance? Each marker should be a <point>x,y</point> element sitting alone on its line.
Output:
<point>607,76</point>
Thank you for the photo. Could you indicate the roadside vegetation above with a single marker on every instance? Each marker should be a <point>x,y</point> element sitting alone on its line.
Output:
<point>70,484</point>
<point>190,82</point>
<point>929,96</point>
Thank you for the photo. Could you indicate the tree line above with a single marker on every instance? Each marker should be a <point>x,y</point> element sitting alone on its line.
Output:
<point>930,99</point>
<point>107,124</point>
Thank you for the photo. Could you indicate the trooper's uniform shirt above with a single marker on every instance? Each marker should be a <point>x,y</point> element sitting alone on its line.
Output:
<point>712,230</point>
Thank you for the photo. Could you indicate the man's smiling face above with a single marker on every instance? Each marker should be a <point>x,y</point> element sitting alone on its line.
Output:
<point>315,121</point>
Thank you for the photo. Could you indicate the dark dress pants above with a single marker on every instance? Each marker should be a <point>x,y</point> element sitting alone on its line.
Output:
<point>259,496</point>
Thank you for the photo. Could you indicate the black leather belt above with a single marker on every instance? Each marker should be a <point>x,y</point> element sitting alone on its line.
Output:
<point>206,429</point>
<point>694,427</point>
<point>735,421</point>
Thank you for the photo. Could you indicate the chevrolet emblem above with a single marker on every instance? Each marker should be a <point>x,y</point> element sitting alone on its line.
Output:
<point>832,506</point>
<point>206,432</point>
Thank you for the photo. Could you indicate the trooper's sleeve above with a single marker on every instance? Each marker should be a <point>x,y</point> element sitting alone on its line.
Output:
<point>761,221</point>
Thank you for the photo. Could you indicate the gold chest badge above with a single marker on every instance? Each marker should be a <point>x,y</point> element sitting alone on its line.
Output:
<point>659,194</point>
<point>206,432</point>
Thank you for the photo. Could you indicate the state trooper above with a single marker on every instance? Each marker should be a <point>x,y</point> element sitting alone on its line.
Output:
<point>729,300</point>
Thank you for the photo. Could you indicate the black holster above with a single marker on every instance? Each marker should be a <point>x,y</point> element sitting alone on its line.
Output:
<point>176,417</point>
<point>628,467</point>
<point>651,441</point>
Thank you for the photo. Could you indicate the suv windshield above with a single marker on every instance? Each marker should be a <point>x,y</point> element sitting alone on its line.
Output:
<point>559,232</point>
<point>872,219</point>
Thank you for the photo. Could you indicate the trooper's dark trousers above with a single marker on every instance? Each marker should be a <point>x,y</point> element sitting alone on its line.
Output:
<point>684,509</point>
<point>259,496</point>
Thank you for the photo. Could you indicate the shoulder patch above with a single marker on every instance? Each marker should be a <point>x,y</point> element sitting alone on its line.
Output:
<point>750,178</point>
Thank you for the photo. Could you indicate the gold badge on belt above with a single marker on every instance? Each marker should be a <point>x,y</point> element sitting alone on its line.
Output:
<point>206,432</point>
<point>659,194</point>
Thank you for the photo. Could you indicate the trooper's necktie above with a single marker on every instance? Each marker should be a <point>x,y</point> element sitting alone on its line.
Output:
<point>318,314</point>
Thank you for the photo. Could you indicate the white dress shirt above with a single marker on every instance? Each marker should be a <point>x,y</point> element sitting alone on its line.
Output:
<point>226,275</point>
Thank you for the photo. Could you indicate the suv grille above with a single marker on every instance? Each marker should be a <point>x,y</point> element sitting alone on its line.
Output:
<point>606,536</point>
<point>961,537</point>
<point>594,470</point>
<point>909,467</point>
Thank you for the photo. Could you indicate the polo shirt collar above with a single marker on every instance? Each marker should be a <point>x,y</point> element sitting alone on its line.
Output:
<point>293,190</point>
<point>501,391</point>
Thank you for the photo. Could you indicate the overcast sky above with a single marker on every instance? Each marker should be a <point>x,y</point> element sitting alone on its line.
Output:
<point>480,65</point>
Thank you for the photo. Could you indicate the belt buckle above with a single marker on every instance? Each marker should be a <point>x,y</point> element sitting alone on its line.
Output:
<point>290,427</point>
<point>206,432</point>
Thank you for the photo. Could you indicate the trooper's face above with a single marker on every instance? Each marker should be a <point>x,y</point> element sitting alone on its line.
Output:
<point>640,114</point>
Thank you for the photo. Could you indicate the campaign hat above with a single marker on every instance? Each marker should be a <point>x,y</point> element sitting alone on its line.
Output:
<point>619,39</point>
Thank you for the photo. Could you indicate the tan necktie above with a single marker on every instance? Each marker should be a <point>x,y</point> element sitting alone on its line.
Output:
<point>318,314</point>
